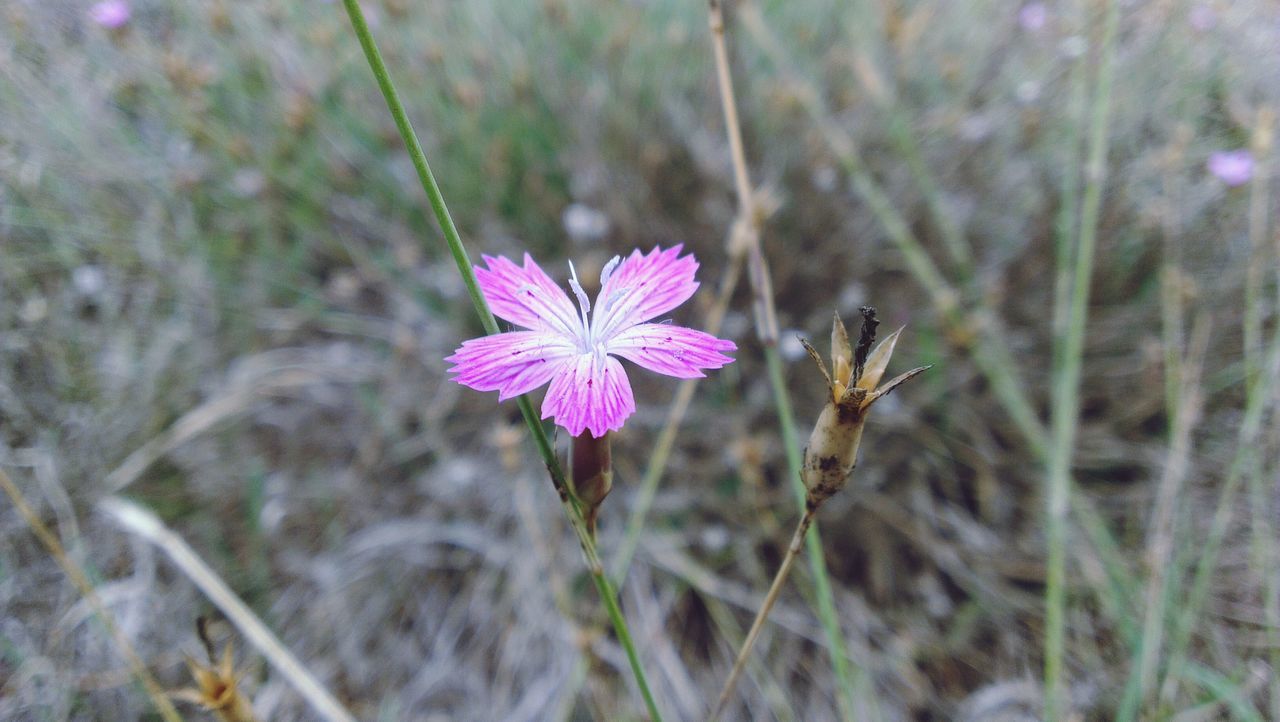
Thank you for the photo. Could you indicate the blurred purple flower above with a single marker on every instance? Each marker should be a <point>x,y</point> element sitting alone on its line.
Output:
<point>575,351</point>
<point>110,14</point>
<point>1033,16</point>
<point>1202,18</point>
<point>1233,167</point>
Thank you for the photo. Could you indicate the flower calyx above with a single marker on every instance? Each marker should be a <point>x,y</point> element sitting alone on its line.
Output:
<point>591,474</point>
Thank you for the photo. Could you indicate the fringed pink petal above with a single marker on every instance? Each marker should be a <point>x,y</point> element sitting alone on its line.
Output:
<point>591,393</point>
<point>527,296</point>
<point>510,363</point>
<point>642,287</point>
<point>671,350</point>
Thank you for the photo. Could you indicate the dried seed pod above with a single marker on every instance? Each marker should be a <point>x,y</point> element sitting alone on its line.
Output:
<point>217,688</point>
<point>853,385</point>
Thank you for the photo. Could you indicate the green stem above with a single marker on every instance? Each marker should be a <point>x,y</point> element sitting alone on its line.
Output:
<point>1066,388</point>
<point>571,506</point>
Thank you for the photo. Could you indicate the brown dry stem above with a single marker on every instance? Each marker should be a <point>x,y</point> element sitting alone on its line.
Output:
<point>775,589</point>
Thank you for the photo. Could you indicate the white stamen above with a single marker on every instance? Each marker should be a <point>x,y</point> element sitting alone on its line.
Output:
<point>608,269</point>
<point>583,301</point>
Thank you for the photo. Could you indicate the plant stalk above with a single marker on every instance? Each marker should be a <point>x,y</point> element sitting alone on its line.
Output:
<point>1066,388</point>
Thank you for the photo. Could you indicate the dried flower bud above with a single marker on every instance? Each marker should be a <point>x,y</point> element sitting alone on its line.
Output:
<point>853,384</point>
<point>217,689</point>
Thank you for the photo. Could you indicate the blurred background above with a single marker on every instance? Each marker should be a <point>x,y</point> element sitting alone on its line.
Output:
<point>223,296</point>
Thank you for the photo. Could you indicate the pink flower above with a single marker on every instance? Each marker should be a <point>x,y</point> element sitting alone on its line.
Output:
<point>1233,167</point>
<point>110,14</point>
<point>574,349</point>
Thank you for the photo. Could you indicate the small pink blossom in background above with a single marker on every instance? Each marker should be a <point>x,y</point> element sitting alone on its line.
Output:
<point>574,350</point>
<point>1233,167</point>
<point>1033,16</point>
<point>111,14</point>
<point>1202,18</point>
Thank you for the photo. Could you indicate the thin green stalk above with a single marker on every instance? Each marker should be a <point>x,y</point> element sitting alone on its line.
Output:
<point>571,506</point>
<point>1162,586</point>
<point>1171,306</point>
<point>1066,386</point>
<point>1226,691</point>
<point>1065,225</point>
<point>1264,544</point>
<point>1254,306</point>
<point>1264,561</point>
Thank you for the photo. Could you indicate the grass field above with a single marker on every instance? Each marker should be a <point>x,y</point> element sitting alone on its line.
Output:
<point>224,298</point>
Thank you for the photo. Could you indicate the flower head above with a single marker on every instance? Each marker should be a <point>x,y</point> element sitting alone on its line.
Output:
<point>575,350</point>
<point>110,14</point>
<point>1233,167</point>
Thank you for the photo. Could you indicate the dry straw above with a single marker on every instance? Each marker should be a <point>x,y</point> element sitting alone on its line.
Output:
<point>745,242</point>
<point>85,587</point>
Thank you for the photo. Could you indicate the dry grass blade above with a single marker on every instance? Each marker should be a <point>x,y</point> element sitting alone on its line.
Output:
<point>85,587</point>
<point>139,521</point>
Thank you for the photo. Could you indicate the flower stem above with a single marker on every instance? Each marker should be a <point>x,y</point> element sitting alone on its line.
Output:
<point>779,579</point>
<point>572,507</point>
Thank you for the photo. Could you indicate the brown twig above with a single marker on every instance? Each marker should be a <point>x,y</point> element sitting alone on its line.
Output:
<point>775,589</point>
